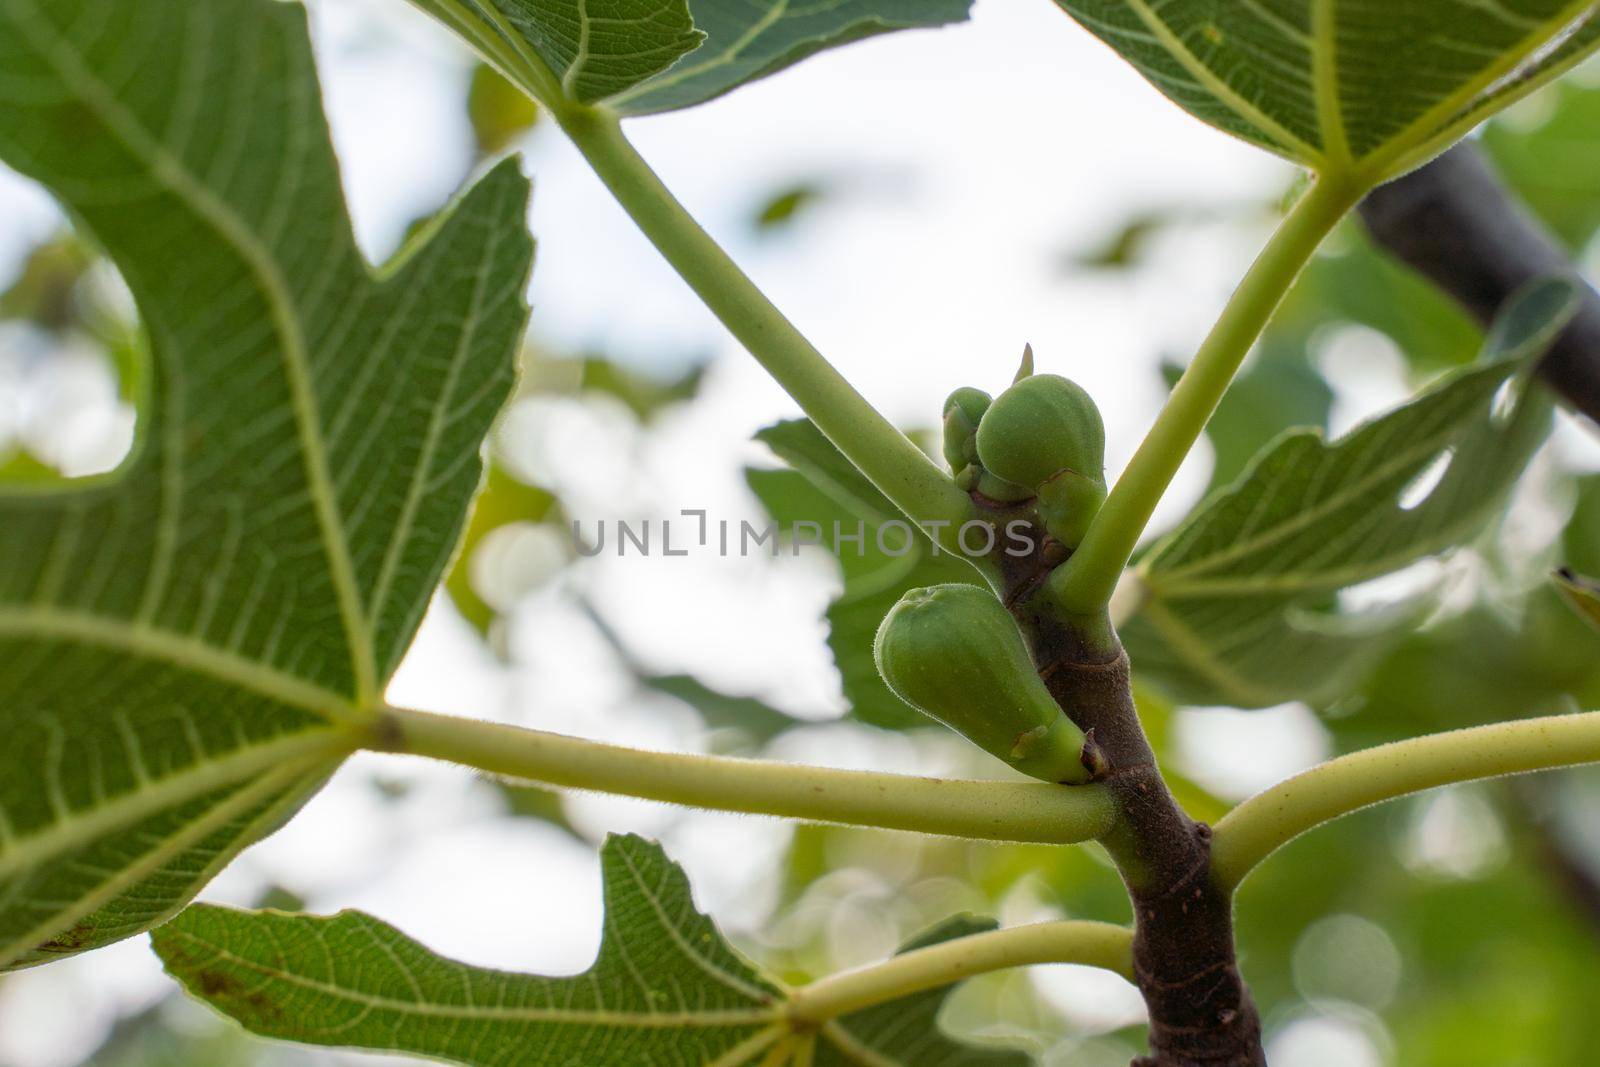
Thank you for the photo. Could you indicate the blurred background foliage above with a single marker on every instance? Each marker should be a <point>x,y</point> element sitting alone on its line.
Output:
<point>1460,929</point>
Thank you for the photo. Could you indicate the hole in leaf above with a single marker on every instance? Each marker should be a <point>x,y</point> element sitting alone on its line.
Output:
<point>1505,402</point>
<point>1421,487</point>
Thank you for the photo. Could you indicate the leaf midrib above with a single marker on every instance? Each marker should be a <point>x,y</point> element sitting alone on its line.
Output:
<point>183,651</point>
<point>1325,79</point>
<point>1161,579</point>
<point>685,70</point>
<point>1322,579</point>
<point>188,835</point>
<point>851,1046</point>
<point>1495,98</point>
<point>744,1053</point>
<point>580,55</point>
<point>1219,88</point>
<point>401,534</point>
<point>84,826</point>
<point>1417,131</point>
<point>275,290</point>
<point>1396,150</point>
<point>535,74</point>
<point>731,982</point>
<point>1200,656</point>
<point>433,1010</point>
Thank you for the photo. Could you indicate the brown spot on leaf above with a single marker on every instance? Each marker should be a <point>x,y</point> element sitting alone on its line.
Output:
<point>215,984</point>
<point>76,938</point>
<point>255,1005</point>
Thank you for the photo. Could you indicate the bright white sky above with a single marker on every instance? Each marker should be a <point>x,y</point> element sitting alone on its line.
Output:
<point>972,159</point>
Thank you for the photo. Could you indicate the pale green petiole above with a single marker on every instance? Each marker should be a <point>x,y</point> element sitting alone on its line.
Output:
<point>995,811</point>
<point>901,470</point>
<point>1084,584</point>
<point>1267,821</point>
<point>1092,944</point>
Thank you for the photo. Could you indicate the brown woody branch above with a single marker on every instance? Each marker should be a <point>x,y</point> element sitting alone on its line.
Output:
<point>1184,960</point>
<point>1456,223</point>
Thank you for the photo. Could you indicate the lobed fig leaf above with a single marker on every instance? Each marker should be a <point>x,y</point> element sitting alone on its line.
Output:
<point>644,57</point>
<point>193,642</point>
<point>666,988</point>
<point>1359,90</point>
<point>1236,604</point>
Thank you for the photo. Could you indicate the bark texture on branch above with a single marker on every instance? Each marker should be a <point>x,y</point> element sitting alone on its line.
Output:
<point>1201,1012</point>
<point>1454,222</point>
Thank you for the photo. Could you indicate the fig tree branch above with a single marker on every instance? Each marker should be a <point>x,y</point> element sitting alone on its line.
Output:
<point>994,811</point>
<point>1269,820</point>
<point>1454,222</point>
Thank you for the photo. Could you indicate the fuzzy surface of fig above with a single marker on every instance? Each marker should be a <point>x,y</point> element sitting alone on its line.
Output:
<point>1039,427</point>
<point>963,411</point>
<point>955,653</point>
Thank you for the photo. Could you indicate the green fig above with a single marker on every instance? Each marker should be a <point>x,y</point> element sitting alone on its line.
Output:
<point>1045,432</point>
<point>954,653</point>
<point>1040,426</point>
<point>963,410</point>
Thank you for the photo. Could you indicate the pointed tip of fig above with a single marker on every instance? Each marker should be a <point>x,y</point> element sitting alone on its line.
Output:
<point>1026,369</point>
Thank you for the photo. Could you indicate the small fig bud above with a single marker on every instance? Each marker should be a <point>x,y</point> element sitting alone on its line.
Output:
<point>1045,432</point>
<point>954,653</point>
<point>1040,426</point>
<point>962,412</point>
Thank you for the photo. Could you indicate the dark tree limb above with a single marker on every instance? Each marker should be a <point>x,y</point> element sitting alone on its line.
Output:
<point>1184,959</point>
<point>1455,222</point>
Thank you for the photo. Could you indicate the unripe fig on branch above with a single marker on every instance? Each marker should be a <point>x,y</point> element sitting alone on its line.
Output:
<point>1045,432</point>
<point>963,410</point>
<point>954,653</point>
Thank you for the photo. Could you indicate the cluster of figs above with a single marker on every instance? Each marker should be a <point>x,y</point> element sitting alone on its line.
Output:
<point>954,651</point>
